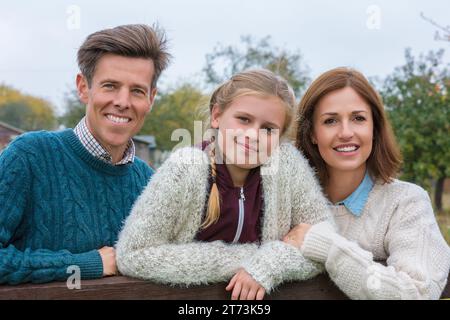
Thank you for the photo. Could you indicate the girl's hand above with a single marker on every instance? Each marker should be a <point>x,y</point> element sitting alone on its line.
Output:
<point>245,287</point>
<point>297,234</point>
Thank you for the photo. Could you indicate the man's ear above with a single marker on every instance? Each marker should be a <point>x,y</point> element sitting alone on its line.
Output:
<point>82,88</point>
<point>215,115</point>
<point>153,93</point>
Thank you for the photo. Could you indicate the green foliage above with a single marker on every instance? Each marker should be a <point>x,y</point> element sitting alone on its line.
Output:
<point>24,111</point>
<point>225,61</point>
<point>417,97</point>
<point>74,110</point>
<point>175,109</point>
<point>15,113</point>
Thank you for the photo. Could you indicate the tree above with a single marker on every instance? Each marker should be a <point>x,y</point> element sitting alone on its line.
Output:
<point>14,113</point>
<point>417,97</point>
<point>223,62</point>
<point>25,111</point>
<point>175,109</point>
<point>74,110</point>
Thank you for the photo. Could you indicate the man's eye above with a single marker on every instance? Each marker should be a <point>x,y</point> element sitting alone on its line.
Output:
<point>139,91</point>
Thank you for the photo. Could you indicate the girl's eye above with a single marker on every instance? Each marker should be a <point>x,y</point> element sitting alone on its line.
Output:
<point>269,130</point>
<point>330,121</point>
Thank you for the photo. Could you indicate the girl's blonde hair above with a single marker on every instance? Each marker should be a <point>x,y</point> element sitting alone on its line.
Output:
<point>261,83</point>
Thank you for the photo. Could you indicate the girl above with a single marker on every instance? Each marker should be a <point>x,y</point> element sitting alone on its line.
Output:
<point>343,131</point>
<point>203,220</point>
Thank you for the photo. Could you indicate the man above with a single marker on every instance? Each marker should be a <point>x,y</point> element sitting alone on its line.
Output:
<point>65,194</point>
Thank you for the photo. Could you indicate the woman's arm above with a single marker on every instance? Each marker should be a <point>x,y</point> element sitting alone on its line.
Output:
<point>418,263</point>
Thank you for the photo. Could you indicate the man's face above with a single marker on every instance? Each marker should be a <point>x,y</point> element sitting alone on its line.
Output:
<point>118,100</point>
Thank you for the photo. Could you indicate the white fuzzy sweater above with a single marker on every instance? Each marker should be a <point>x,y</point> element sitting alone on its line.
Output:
<point>397,225</point>
<point>158,239</point>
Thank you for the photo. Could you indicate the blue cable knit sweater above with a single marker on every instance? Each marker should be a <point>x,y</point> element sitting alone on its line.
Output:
<point>59,205</point>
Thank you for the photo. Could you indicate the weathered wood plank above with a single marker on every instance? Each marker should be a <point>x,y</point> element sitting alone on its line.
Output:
<point>321,287</point>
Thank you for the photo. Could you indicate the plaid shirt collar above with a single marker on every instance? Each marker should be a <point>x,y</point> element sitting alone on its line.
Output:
<point>95,148</point>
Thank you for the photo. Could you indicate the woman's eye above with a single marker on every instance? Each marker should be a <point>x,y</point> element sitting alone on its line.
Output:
<point>330,121</point>
<point>360,118</point>
<point>243,119</point>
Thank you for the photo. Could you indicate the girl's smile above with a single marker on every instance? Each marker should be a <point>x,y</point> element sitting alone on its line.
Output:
<point>252,124</point>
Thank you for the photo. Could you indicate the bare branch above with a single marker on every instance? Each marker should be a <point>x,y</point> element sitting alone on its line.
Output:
<point>437,35</point>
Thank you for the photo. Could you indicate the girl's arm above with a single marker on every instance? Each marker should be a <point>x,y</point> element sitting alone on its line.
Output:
<point>276,261</point>
<point>156,241</point>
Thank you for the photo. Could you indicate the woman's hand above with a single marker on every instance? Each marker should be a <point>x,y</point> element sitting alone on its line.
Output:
<point>297,234</point>
<point>245,287</point>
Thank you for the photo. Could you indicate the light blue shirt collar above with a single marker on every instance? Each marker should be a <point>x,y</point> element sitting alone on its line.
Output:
<point>357,200</point>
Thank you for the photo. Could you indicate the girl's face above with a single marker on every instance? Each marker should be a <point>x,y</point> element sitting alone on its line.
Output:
<point>343,130</point>
<point>249,129</point>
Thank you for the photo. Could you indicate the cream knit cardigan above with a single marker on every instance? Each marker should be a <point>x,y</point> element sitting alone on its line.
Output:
<point>397,225</point>
<point>157,242</point>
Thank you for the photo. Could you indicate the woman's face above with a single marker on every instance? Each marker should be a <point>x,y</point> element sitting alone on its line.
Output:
<point>343,130</point>
<point>249,129</point>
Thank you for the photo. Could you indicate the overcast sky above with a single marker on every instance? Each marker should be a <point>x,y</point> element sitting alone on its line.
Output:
<point>39,40</point>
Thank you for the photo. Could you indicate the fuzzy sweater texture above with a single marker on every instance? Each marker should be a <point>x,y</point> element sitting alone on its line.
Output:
<point>158,242</point>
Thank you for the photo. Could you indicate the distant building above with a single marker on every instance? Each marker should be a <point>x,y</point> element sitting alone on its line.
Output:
<point>7,134</point>
<point>145,145</point>
<point>145,148</point>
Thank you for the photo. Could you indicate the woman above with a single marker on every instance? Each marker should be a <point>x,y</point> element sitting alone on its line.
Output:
<point>202,220</point>
<point>343,132</point>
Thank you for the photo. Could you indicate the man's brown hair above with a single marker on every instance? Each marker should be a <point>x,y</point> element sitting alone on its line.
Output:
<point>134,40</point>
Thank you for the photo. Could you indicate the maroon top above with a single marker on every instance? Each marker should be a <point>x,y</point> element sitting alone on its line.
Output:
<point>227,228</point>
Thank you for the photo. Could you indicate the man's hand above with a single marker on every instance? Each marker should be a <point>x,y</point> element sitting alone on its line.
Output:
<point>108,255</point>
<point>245,287</point>
<point>297,234</point>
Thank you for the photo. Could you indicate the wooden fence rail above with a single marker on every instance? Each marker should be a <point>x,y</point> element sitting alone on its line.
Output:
<point>321,287</point>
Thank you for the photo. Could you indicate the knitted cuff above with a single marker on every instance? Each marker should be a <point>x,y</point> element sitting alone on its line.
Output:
<point>260,276</point>
<point>266,265</point>
<point>318,241</point>
<point>90,264</point>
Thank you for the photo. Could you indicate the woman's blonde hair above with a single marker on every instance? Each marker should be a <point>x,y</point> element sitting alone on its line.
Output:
<point>261,83</point>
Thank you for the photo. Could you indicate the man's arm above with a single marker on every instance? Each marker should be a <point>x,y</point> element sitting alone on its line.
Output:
<point>41,265</point>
